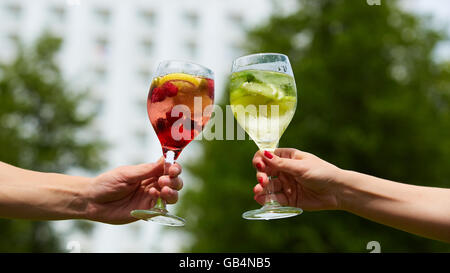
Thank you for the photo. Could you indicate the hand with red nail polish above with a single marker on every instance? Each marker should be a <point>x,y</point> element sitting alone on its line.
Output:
<point>258,166</point>
<point>306,181</point>
<point>268,154</point>
<point>302,179</point>
<point>260,180</point>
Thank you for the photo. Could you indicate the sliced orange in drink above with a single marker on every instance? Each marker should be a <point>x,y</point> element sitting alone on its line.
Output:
<point>180,77</point>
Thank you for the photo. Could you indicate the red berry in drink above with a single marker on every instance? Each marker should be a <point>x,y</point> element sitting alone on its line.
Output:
<point>158,95</point>
<point>173,141</point>
<point>161,124</point>
<point>210,86</point>
<point>172,119</point>
<point>170,89</point>
<point>193,124</point>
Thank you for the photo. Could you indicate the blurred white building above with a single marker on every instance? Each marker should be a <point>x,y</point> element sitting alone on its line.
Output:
<point>112,47</point>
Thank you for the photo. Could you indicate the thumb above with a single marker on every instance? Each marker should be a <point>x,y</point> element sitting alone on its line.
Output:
<point>276,163</point>
<point>142,171</point>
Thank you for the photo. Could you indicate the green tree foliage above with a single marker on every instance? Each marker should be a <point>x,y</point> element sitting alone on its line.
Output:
<point>372,98</point>
<point>41,128</point>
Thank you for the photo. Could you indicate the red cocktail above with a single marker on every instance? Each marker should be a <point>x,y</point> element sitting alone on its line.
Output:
<point>176,107</point>
<point>179,105</point>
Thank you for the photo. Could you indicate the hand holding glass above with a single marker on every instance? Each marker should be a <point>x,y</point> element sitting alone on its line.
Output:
<point>177,106</point>
<point>263,97</point>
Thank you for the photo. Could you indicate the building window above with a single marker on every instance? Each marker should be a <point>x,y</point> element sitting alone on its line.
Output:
<point>237,20</point>
<point>191,48</point>
<point>13,38</point>
<point>58,13</point>
<point>100,74</point>
<point>191,19</point>
<point>14,10</point>
<point>102,46</point>
<point>145,76</point>
<point>235,50</point>
<point>103,15</point>
<point>147,47</point>
<point>141,137</point>
<point>148,17</point>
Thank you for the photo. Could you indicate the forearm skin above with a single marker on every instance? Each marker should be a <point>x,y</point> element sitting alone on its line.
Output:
<point>424,211</point>
<point>41,196</point>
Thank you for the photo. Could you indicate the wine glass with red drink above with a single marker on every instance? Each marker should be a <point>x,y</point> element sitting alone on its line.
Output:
<point>179,105</point>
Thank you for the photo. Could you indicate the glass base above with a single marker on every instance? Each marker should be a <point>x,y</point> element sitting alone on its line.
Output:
<point>270,212</point>
<point>162,217</point>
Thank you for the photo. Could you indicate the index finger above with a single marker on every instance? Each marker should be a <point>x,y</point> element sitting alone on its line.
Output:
<point>257,161</point>
<point>174,183</point>
<point>290,153</point>
<point>174,170</point>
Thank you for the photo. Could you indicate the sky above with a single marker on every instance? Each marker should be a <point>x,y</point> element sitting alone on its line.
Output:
<point>440,12</point>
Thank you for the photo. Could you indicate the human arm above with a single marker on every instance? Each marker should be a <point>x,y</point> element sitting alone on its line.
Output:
<point>107,198</point>
<point>306,181</point>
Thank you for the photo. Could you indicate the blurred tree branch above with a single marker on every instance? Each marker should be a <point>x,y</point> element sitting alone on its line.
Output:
<point>45,126</point>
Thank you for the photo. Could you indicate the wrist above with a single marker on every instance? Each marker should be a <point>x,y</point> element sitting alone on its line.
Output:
<point>81,202</point>
<point>65,196</point>
<point>85,197</point>
<point>344,188</point>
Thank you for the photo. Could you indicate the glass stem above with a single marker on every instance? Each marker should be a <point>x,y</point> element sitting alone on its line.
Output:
<point>160,204</point>
<point>271,199</point>
<point>169,160</point>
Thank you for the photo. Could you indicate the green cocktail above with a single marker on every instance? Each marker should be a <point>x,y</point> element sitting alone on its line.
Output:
<point>263,98</point>
<point>263,103</point>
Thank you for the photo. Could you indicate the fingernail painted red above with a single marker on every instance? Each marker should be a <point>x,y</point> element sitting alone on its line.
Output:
<point>258,166</point>
<point>268,155</point>
<point>260,180</point>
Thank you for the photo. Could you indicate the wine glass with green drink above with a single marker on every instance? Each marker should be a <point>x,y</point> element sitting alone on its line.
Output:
<point>263,98</point>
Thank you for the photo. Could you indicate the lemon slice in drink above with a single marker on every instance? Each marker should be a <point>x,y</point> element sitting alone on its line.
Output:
<point>180,77</point>
<point>263,89</point>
